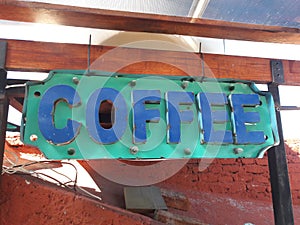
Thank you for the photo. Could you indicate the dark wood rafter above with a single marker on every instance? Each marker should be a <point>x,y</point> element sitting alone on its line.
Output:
<point>16,104</point>
<point>116,20</point>
<point>44,56</point>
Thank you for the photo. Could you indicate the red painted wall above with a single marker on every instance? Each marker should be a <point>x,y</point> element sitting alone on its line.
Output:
<point>26,200</point>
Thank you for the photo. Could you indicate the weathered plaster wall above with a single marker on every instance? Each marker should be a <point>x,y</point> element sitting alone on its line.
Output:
<point>30,201</point>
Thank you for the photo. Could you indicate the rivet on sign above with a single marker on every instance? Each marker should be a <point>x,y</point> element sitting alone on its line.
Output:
<point>33,137</point>
<point>187,151</point>
<point>238,150</point>
<point>75,80</point>
<point>231,87</point>
<point>132,83</point>
<point>134,150</point>
<point>184,84</point>
<point>71,151</point>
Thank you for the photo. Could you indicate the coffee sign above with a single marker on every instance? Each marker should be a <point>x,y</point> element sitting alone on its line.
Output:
<point>72,115</point>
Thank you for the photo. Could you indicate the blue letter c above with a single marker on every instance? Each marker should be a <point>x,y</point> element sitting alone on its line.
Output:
<point>46,115</point>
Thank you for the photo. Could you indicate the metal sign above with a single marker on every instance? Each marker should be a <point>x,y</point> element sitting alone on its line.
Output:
<point>102,115</point>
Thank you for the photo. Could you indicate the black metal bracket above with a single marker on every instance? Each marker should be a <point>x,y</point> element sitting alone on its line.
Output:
<point>277,71</point>
<point>4,103</point>
<point>279,176</point>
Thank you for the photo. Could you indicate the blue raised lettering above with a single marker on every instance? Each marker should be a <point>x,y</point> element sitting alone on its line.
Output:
<point>46,113</point>
<point>240,118</point>
<point>210,117</point>
<point>141,115</point>
<point>96,131</point>
<point>175,116</point>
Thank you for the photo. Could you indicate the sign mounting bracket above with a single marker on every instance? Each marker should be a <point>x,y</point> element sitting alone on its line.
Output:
<point>4,102</point>
<point>277,71</point>
<point>281,193</point>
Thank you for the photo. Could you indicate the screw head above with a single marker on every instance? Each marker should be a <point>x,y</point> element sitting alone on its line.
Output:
<point>71,151</point>
<point>231,87</point>
<point>75,80</point>
<point>184,84</point>
<point>187,151</point>
<point>132,83</point>
<point>33,137</point>
<point>134,150</point>
<point>238,150</point>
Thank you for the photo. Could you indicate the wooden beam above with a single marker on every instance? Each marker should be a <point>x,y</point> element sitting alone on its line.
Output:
<point>45,56</point>
<point>128,21</point>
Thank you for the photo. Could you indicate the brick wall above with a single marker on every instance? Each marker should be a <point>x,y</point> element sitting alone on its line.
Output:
<point>245,178</point>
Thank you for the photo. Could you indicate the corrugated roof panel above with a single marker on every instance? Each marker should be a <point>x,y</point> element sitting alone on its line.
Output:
<point>163,7</point>
<point>284,13</point>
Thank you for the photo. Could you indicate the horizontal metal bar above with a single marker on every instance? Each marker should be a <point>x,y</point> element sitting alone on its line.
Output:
<point>285,108</point>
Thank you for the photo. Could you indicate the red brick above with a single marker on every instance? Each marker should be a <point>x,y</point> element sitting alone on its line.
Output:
<point>202,169</point>
<point>193,161</point>
<point>296,197</point>
<point>294,168</point>
<point>216,169</point>
<point>217,188</point>
<point>263,196</point>
<point>236,177</point>
<point>227,161</point>
<point>248,161</point>
<point>256,187</point>
<point>245,177</point>
<point>188,178</point>
<point>205,163</point>
<point>261,179</point>
<point>225,178</point>
<point>218,161</point>
<point>255,169</point>
<point>262,162</point>
<point>209,177</point>
<point>237,187</point>
<point>231,168</point>
<point>293,159</point>
<point>295,179</point>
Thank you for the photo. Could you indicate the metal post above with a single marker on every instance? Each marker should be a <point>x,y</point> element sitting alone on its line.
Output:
<point>3,100</point>
<point>279,176</point>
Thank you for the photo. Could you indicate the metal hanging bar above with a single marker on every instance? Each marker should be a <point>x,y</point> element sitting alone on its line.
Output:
<point>202,63</point>
<point>279,176</point>
<point>290,107</point>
